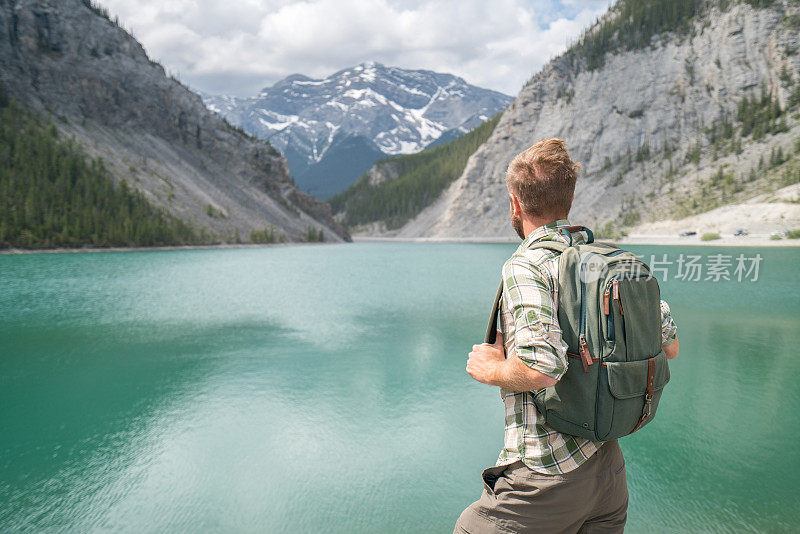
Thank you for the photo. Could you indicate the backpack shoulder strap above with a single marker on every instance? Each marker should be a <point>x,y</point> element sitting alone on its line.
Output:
<point>491,329</point>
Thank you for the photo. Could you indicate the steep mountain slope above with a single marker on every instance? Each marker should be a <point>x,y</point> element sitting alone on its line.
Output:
<point>51,196</point>
<point>396,189</point>
<point>673,107</point>
<point>357,115</point>
<point>65,59</point>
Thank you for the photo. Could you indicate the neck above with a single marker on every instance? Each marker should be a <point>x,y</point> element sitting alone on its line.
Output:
<point>529,224</point>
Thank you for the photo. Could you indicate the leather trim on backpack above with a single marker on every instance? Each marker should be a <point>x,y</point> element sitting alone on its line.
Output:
<point>648,396</point>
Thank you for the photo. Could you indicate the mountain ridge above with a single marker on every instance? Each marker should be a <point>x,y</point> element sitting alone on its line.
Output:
<point>397,111</point>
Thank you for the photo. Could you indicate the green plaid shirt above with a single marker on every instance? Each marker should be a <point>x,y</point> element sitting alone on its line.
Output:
<point>529,322</point>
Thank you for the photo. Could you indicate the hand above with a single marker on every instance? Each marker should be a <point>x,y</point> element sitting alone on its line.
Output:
<point>484,359</point>
<point>672,349</point>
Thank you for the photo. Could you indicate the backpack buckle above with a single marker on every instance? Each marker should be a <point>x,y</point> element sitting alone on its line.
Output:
<point>648,403</point>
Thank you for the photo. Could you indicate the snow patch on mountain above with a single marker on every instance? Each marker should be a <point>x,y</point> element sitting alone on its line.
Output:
<point>399,110</point>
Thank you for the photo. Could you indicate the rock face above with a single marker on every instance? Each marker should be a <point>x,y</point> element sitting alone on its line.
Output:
<point>66,59</point>
<point>635,122</point>
<point>388,109</point>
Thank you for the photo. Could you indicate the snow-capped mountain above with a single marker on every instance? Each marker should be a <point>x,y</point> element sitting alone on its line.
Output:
<point>332,130</point>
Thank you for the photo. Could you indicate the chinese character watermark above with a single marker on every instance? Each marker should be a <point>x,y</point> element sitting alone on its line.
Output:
<point>714,268</point>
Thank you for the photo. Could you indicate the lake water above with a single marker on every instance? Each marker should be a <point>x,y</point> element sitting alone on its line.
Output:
<point>321,388</point>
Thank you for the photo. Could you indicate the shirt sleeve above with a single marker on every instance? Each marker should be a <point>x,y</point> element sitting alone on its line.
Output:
<point>669,331</point>
<point>528,295</point>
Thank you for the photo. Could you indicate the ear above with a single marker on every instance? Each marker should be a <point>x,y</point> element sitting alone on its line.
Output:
<point>516,209</point>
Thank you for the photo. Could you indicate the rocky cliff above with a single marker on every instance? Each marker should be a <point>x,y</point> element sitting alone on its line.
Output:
<point>695,118</point>
<point>66,59</point>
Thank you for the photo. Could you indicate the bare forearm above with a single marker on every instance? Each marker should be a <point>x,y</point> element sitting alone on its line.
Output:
<point>512,374</point>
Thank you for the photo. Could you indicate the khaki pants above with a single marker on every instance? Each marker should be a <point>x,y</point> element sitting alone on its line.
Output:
<point>591,498</point>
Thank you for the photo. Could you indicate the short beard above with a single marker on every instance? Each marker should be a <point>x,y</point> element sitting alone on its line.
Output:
<point>516,223</point>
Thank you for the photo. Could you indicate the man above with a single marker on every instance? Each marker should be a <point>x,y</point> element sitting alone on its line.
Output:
<point>544,481</point>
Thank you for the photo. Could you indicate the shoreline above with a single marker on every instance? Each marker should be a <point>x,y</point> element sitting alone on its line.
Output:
<point>20,251</point>
<point>662,240</point>
<point>724,241</point>
<point>729,241</point>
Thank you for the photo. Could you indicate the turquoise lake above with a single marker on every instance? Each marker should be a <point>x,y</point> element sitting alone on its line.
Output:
<point>321,388</point>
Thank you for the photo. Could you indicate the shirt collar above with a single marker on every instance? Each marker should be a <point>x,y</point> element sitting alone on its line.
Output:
<point>555,231</point>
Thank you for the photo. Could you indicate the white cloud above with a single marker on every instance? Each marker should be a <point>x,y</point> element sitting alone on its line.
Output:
<point>240,46</point>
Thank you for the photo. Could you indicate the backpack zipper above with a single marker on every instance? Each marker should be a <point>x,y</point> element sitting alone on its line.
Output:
<point>586,356</point>
<point>607,311</point>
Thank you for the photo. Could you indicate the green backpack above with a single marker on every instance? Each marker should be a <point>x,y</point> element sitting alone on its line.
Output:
<point>610,317</point>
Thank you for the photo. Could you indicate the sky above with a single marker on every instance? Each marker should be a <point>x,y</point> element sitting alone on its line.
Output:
<point>238,47</point>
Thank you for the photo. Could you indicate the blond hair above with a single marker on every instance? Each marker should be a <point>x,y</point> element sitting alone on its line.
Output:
<point>543,179</point>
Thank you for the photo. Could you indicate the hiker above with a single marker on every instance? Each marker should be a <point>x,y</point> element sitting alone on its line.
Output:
<point>545,480</point>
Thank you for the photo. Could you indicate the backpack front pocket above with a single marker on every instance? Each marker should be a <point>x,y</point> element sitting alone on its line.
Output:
<point>628,404</point>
